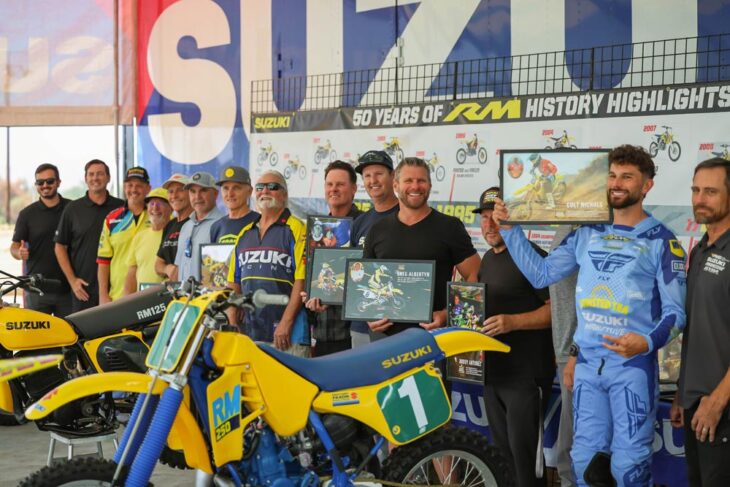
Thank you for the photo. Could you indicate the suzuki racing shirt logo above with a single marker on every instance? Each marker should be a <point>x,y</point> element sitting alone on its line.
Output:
<point>274,257</point>
<point>608,261</point>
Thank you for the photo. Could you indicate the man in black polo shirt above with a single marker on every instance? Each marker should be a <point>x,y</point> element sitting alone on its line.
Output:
<point>33,241</point>
<point>701,403</point>
<point>517,384</point>
<point>77,235</point>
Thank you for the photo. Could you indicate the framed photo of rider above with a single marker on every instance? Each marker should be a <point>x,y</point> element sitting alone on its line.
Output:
<point>327,279</point>
<point>567,186</point>
<point>465,308</point>
<point>400,290</point>
<point>326,231</point>
<point>214,261</point>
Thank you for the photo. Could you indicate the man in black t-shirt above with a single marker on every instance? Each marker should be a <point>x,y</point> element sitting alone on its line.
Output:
<point>180,203</point>
<point>418,232</point>
<point>77,235</point>
<point>33,241</point>
<point>517,384</point>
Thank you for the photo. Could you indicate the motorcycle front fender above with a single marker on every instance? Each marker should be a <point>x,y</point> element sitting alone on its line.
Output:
<point>90,385</point>
<point>453,341</point>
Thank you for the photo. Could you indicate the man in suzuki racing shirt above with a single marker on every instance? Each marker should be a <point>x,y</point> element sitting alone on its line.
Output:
<point>629,297</point>
<point>546,173</point>
<point>269,255</point>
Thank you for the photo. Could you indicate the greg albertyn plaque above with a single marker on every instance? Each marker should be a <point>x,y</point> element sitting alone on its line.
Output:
<point>398,290</point>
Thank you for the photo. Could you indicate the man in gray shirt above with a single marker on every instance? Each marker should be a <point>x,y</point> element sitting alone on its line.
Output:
<point>701,403</point>
<point>196,231</point>
<point>564,321</point>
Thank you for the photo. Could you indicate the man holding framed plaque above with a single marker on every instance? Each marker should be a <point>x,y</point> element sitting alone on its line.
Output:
<point>630,295</point>
<point>517,384</point>
<point>418,232</point>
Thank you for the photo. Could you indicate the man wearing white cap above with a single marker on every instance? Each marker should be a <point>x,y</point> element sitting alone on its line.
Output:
<point>142,257</point>
<point>196,231</point>
<point>179,200</point>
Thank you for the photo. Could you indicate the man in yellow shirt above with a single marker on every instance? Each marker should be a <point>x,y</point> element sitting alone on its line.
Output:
<point>120,227</point>
<point>145,244</point>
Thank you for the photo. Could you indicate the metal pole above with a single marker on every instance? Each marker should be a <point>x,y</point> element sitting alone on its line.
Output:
<point>116,93</point>
<point>7,174</point>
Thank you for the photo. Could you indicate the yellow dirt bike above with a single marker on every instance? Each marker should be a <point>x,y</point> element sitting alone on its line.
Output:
<point>393,148</point>
<point>267,153</point>
<point>295,167</point>
<point>436,168</point>
<point>111,337</point>
<point>665,141</point>
<point>532,194</point>
<point>260,416</point>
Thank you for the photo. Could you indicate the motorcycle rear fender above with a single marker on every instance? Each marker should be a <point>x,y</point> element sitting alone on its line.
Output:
<point>453,341</point>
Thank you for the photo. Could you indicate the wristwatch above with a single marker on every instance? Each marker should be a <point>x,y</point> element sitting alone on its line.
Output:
<point>573,350</point>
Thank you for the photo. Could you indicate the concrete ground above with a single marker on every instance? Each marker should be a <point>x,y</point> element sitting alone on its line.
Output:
<point>24,449</point>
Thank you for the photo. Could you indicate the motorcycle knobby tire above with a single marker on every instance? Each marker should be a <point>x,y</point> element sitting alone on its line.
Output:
<point>75,470</point>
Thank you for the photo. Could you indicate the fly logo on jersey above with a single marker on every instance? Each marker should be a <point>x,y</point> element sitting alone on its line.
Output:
<point>268,256</point>
<point>635,411</point>
<point>608,261</point>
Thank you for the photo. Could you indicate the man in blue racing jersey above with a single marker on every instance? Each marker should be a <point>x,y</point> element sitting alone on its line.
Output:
<point>629,298</point>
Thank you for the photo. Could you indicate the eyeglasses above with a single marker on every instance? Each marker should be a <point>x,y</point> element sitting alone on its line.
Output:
<point>47,181</point>
<point>269,186</point>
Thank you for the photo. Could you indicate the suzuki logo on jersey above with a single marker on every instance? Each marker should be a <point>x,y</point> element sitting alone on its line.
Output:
<point>269,256</point>
<point>608,261</point>
<point>604,319</point>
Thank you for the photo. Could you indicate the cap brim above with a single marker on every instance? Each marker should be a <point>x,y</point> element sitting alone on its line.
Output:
<point>489,206</point>
<point>363,165</point>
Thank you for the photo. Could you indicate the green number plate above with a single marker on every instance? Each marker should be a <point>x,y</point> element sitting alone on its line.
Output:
<point>414,406</point>
<point>178,337</point>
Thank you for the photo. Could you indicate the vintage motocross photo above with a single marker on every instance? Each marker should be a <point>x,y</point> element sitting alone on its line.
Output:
<point>555,186</point>
<point>465,306</point>
<point>327,279</point>
<point>326,231</point>
<point>214,260</point>
<point>399,290</point>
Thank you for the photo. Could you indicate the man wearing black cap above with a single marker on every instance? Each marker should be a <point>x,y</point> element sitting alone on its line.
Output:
<point>235,184</point>
<point>77,235</point>
<point>376,169</point>
<point>120,227</point>
<point>518,383</point>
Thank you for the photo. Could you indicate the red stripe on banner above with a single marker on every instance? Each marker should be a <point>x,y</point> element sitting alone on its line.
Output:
<point>147,14</point>
<point>311,182</point>
<point>451,192</point>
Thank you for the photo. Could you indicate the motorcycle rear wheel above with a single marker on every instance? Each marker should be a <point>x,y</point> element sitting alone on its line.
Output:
<point>79,472</point>
<point>7,419</point>
<point>472,460</point>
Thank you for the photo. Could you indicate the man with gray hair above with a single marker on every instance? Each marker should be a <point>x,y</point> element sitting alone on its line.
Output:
<point>196,231</point>
<point>269,255</point>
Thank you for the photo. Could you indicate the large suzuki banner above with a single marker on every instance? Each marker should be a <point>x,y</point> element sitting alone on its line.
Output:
<point>198,58</point>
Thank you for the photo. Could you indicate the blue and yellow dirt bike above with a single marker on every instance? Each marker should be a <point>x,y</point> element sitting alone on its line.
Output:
<point>259,416</point>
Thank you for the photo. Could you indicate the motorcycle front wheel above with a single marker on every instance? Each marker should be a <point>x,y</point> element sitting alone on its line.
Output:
<point>448,456</point>
<point>274,158</point>
<point>482,155</point>
<point>8,419</point>
<point>440,173</point>
<point>78,472</point>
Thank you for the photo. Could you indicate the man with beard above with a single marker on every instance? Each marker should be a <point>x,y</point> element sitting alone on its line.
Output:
<point>331,333</point>
<point>630,295</point>
<point>77,235</point>
<point>235,184</point>
<point>417,231</point>
<point>517,384</point>
<point>33,241</point>
<point>142,256</point>
<point>179,199</point>
<point>269,255</point>
<point>196,231</point>
<point>120,227</point>
<point>701,402</point>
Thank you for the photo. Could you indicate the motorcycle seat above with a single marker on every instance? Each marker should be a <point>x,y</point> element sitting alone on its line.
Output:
<point>363,366</point>
<point>130,312</point>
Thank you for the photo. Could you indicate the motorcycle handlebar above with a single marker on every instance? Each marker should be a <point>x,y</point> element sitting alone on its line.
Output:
<point>45,284</point>
<point>261,298</point>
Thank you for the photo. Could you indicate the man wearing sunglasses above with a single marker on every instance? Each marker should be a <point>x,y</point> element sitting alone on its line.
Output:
<point>269,255</point>
<point>33,241</point>
<point>196,231</point>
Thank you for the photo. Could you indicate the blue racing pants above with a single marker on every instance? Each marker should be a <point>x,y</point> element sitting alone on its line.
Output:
<point>614,411</point>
